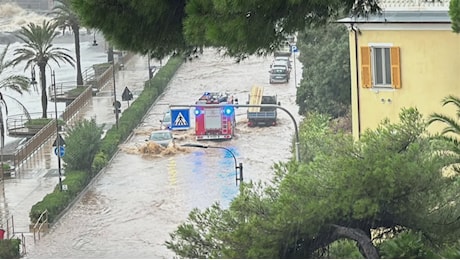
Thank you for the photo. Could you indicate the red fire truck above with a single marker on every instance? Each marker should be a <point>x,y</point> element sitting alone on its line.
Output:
<point>215,123</point>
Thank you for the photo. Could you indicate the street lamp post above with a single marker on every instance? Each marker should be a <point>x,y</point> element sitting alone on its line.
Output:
<point>116,104</point>
<point>57,143</point>
<point>58,137</point>
<point>297,139</point>
<point>94,39</point>
<point>238,177</point>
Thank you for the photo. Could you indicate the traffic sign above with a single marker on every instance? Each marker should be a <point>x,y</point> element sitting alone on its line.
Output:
<point>117,104</point>
<point>59,152</point>
<point>294,48</point>
<point>60,139</point>
<point>180,118</point>
<point>127,95</point>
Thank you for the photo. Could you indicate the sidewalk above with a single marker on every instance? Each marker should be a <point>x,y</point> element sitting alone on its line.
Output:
<point>38,176</point>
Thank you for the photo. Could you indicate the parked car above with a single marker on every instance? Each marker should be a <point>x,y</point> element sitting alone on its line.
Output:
<point>161,137</point>
<point>284,59</point>
<point>166,121</point>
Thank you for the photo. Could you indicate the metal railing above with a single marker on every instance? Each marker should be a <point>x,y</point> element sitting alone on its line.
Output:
<point>34,143</point>
<point>40,225</point>
<point>72,109</point>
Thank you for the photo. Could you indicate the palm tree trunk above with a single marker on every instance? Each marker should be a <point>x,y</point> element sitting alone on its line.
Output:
<point>76,33</point>
<point>43,85</point>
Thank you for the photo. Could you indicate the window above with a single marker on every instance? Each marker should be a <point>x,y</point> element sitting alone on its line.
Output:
<point>380,67</point>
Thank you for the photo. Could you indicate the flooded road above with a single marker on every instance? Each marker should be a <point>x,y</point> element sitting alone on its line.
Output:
<point>146,192</point>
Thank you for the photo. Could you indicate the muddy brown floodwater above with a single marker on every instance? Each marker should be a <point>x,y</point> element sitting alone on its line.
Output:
<point>147,191</point>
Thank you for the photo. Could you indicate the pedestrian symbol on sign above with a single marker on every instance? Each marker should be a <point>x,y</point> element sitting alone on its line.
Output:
<point>180,120</point>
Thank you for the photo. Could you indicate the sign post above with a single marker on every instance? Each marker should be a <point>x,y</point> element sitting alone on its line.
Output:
<point>294,50</point>
<point>59,151</point>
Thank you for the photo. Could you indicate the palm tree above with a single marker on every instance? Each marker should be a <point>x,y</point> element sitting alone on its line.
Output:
<point>453,125</point>
<point>39,50</point>
<point>16,83</point>
<point>66,17</point>
<point>452,130</point>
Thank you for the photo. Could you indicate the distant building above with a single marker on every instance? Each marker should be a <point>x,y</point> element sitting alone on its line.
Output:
<point>407,57</point>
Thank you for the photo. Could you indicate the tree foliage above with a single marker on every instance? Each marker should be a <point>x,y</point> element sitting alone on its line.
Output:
<point>82,144</point>
<point>451,131</point>
<point>240,27</point>
<point>325,86</point>
<point>10,81</point>
<point>368,191</point>
<point>38,50</point>
<point>452,125</point>
<point>454,12</point>
<point>65,17</point>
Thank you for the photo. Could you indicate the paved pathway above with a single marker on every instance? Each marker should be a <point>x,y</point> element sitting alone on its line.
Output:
<point>38,176</point>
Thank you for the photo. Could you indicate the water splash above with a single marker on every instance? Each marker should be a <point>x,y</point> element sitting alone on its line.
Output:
<point>12,17</point>
<point>151,149</point>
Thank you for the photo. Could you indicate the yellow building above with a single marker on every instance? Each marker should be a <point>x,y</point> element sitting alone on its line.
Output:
<point>406,57</point>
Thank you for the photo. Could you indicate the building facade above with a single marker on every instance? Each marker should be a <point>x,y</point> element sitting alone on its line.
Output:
<point>406,57</point>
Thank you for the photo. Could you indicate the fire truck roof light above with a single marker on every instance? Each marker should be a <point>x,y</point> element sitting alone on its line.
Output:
<point>228,110</point>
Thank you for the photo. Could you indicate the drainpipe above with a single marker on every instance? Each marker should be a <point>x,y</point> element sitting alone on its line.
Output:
<point>355,32</point>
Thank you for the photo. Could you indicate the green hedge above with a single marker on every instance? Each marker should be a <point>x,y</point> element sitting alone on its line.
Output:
<point>57,201</point>
<point>9,249</point>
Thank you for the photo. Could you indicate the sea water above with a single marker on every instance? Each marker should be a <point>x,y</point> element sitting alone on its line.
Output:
<point>12,18</point>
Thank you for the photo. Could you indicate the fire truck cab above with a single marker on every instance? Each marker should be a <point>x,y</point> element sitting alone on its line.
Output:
<point>215,123</point>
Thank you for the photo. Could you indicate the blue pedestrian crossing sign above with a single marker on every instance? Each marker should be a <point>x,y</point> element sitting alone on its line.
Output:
<point>180,118</point>
<point>59,151</point>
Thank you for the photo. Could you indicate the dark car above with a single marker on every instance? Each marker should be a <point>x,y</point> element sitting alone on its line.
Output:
<point>279,75</point>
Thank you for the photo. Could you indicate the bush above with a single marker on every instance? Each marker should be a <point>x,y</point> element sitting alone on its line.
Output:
<point>41,122</point>
<point>9,249</point>
<point>6,166</point>
<point>82,145</point>
<point>57,201</point>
